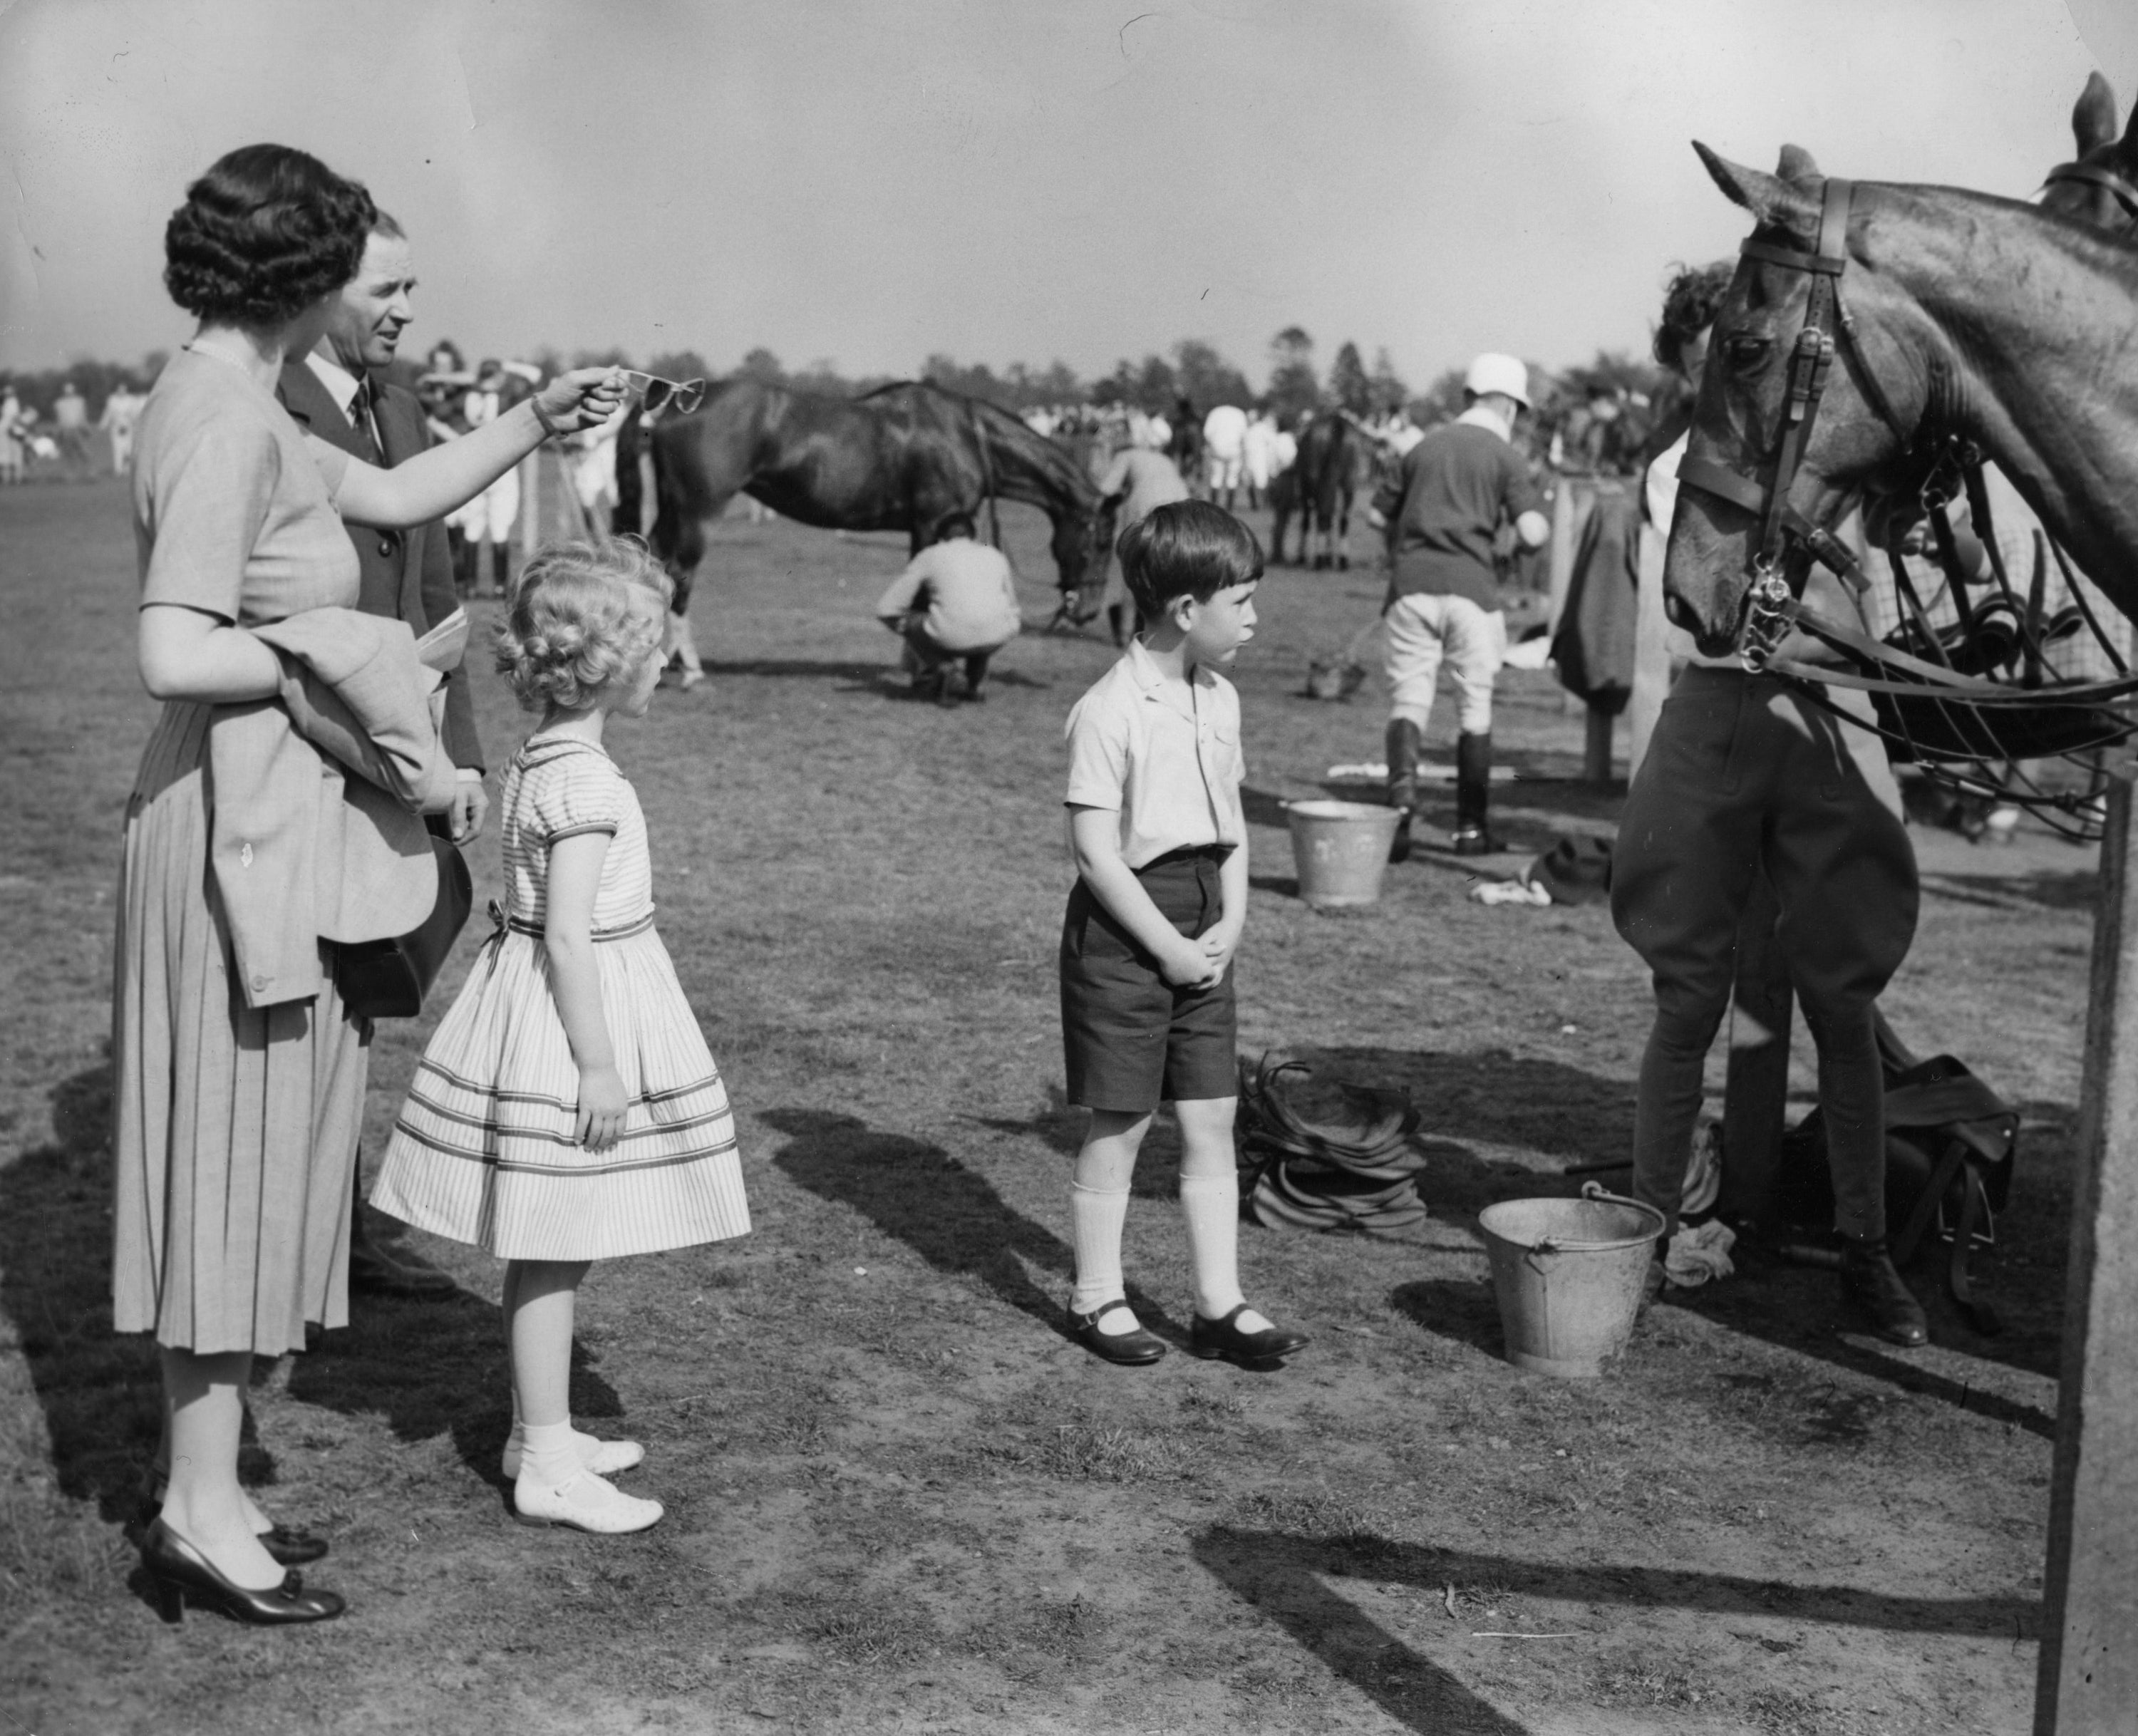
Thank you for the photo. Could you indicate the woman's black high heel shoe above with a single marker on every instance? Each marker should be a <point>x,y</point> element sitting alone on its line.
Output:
<point>290,1549</point>
<point>181,1572</point>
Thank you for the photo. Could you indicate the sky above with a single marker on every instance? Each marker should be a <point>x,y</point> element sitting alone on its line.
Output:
<point>869,182</point>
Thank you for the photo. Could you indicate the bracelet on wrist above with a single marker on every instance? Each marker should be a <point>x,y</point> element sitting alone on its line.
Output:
<point>550,431</point>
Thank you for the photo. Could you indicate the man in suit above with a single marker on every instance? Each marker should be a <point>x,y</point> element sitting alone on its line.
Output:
<point>406,573</point>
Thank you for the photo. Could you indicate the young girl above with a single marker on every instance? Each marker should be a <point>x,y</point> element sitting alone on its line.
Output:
<point>566,1110</point>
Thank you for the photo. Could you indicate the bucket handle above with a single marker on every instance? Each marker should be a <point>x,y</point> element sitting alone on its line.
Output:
<point>1589,1190</point>
<point>1598,1190</point>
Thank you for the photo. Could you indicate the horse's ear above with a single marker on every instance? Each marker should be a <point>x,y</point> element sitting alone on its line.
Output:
<point>1771,200</point>
<point>1796,165</point>
<point>2093,115</point>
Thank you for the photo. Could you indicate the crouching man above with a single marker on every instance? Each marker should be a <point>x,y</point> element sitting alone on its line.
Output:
<point>955,604</point>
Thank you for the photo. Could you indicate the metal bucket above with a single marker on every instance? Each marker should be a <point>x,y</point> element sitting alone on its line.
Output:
<point>1341,849</point>
<point>1568,1275</point>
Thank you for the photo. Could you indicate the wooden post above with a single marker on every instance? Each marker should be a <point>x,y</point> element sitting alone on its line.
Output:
<point>2088,1678</point>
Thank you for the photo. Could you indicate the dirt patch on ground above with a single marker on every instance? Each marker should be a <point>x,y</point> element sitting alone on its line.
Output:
<point>900,1499</point>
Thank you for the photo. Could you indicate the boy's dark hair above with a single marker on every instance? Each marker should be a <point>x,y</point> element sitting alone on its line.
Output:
<point>957,524</point>
<point>1187,548</point>
<point>1691,302</point>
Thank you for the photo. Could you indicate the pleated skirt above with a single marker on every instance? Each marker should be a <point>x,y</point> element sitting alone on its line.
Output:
<point>483,1150</point>
<point>234,1131</point>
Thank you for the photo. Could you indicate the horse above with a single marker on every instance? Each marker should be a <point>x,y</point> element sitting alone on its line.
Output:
<point>909,456</point>
<point>1334,461</point>
<point>2101,186</point>
<point>1867,326</point>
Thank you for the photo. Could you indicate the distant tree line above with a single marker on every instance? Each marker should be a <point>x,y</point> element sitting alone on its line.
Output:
<point>1195,370</point>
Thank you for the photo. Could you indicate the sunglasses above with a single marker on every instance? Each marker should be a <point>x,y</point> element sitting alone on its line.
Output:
<point>681,396</point>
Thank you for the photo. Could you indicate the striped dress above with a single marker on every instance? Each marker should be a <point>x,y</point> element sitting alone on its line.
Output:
<point>483,1151</point>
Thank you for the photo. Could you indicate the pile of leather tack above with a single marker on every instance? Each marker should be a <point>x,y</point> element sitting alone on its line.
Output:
<point>1356,1169</point>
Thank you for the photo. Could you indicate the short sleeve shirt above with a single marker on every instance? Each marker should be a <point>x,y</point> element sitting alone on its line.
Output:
<point>1457,486</point>
<point>233,509</point>
<point>559,788</point>
<point>1164,755</point>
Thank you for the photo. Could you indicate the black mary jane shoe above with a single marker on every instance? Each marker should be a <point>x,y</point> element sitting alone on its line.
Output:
<point>1210,1339</point>
<point>181,1572</point>
<point>290,1548</point>
<point>1130,1349</point>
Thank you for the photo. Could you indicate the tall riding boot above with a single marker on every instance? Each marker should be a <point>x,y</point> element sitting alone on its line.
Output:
<point>1402,746</point>
<point>1871,1287</point>
<point>504,568</point>
<point>1473,796</point>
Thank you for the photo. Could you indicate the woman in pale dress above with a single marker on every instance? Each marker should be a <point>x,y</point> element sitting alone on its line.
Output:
<point>238,1097</point>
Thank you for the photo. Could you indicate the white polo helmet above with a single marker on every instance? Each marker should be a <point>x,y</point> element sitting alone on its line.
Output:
<point>1493,373</point>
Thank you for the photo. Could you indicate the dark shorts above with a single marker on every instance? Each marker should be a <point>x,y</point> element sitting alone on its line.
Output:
<point>1131,1039</point>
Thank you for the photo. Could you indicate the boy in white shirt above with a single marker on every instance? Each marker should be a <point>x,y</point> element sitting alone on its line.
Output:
<point>1147,943</point>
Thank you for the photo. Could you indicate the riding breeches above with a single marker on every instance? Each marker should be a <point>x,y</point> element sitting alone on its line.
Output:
<point>1745,775</point>
<point>1422,627</point>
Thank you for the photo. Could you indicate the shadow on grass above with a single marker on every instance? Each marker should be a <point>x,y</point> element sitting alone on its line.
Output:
<point>949,1215</point>
<point>414,1362</point>
<point>98,1390</point>
<point>433,1368</point>
<point>1495,1097</point>
<point>2072,889</point>
<point>1285,1575</point>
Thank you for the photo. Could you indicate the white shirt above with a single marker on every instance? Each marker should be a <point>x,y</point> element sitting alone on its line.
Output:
<point>1478,416</point>
<point>340,383</point>
<point>1225,430</point>
<point>1164,755</point>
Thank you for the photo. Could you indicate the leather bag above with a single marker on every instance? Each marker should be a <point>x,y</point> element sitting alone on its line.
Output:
<point>387,980</point>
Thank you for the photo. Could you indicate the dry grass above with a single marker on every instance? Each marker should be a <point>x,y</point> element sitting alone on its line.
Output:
<point>899,1499</point>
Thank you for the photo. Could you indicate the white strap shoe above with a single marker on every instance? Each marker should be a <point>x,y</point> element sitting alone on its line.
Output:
<point>586,1503</point>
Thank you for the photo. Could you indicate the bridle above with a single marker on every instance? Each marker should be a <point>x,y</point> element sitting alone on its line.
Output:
<point>1783,531</point>
<point>2117,187</point>
<point>1790,543</point>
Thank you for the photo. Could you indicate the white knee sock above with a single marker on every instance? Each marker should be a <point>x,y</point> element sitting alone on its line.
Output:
<point>1211,1204</point>
<point>1096,1216</point>
<point>550,1453</point>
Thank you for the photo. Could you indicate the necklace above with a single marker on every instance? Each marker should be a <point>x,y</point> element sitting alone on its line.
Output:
<point>244,366</point>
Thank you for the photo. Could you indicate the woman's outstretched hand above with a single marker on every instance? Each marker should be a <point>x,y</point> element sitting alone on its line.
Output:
<point>585,398</point>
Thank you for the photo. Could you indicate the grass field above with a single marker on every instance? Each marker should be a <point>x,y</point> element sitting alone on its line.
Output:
<point>899,1499</point>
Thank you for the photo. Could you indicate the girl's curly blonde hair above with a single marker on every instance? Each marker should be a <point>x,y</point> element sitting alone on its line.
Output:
<point>571,629</point>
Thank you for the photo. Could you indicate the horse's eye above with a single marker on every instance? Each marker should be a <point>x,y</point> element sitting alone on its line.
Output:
<point>1746,354</point>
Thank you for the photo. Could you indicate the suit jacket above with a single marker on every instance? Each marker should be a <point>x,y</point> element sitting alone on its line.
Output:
<point>408,575</point>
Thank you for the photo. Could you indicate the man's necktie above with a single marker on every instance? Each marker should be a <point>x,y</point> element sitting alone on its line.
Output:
<point>366,424</point>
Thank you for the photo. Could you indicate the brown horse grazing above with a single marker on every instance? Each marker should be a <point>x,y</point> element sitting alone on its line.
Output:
<point>906,457</point>
<point>1334,461</point>
<point>1958,315</point>
<point>2100,187</point>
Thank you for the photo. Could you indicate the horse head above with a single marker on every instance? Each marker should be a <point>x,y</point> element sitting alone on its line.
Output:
<point>2100,186</point>
<point>1868,401</point>
<point>1082,545</point>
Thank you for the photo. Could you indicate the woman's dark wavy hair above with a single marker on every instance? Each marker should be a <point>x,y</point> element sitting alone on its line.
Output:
<point>1691,301</point>
<point>263,234</point>
<point>1187,548</point>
